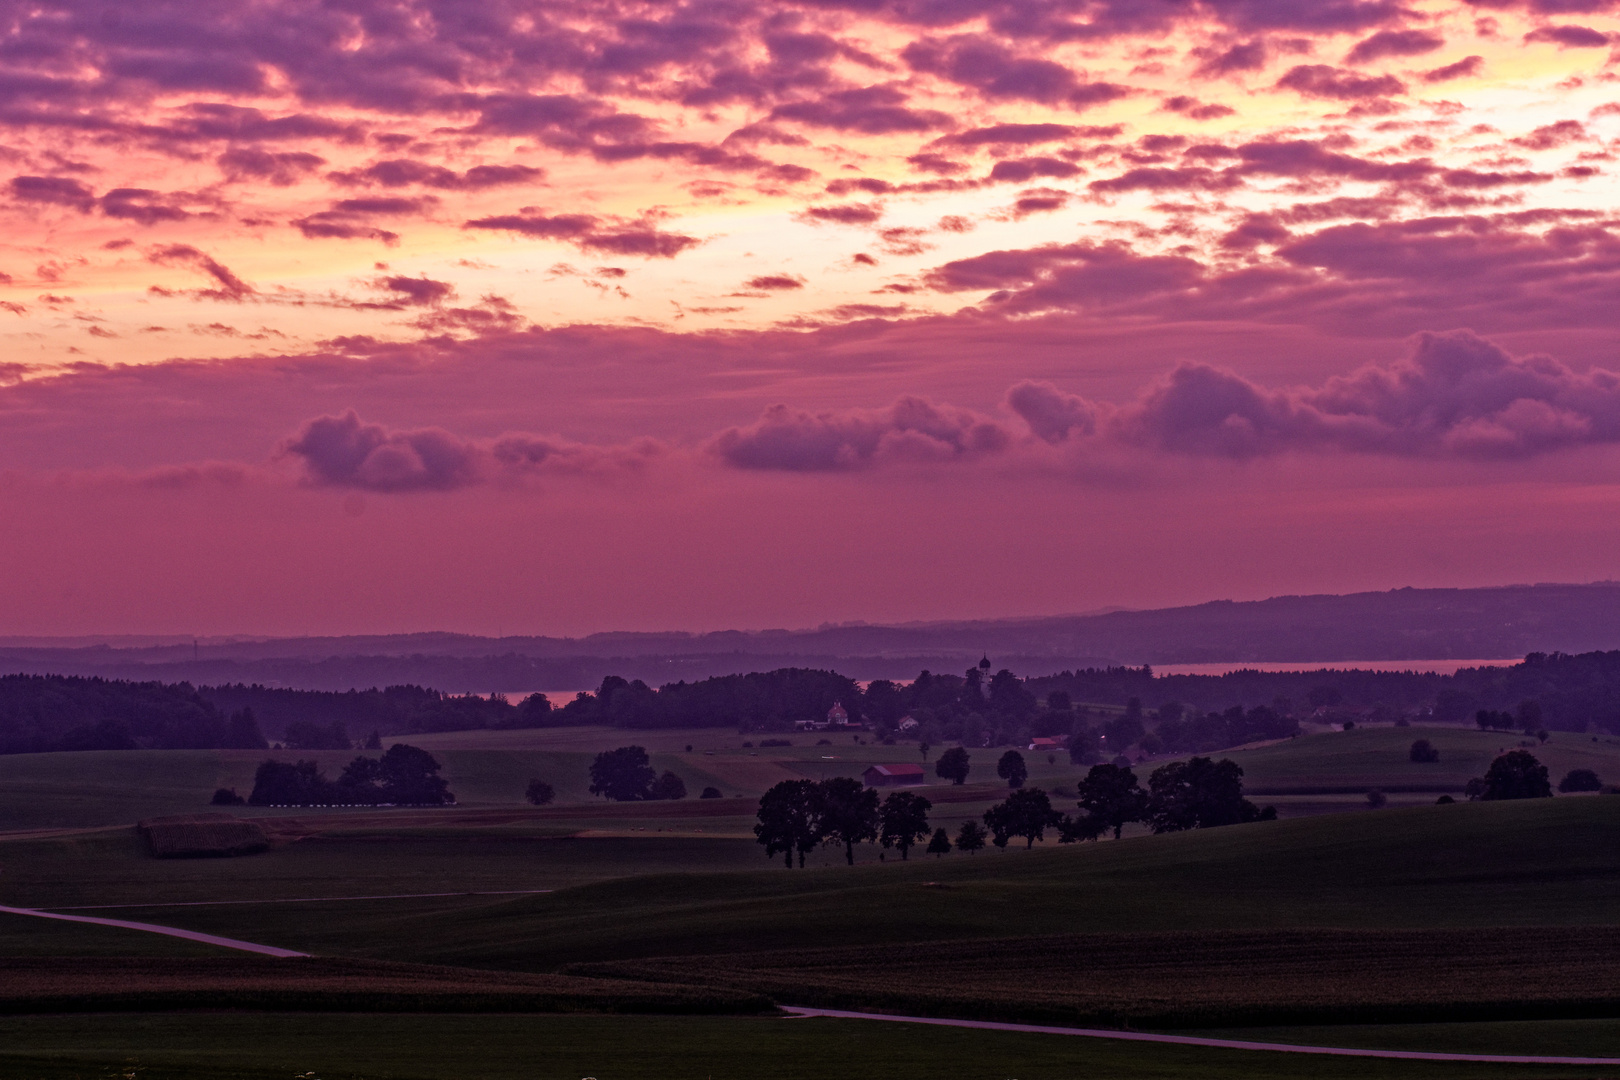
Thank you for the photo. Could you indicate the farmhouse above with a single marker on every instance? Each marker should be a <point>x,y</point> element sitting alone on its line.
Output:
<point>897,775</point>
<point>1045,743</point>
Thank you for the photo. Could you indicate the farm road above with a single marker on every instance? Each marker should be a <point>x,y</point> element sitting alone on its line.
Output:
<point>152,928</point>
<point>303,899</point>
<point>1192,1040</point>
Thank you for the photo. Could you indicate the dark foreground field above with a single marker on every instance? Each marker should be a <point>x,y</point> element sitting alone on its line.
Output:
<point>1474,923</point>
<point>248,1046</point>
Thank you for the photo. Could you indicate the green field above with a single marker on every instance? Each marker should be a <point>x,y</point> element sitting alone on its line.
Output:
<point>1540,863</point>
<point>1491,913</point>
<point>1318,773</point>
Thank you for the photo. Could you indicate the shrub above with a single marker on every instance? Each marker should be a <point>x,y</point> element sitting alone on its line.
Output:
<point>539,792</point>
<point>1580,780</point>
<point>1376,800</point>
<point>228,797</point>
<point>1444,800</point>
<point>711,793</point>
<point>1423,752</point>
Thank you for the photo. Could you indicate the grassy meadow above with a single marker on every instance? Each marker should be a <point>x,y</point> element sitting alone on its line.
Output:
<point>1321,772</point>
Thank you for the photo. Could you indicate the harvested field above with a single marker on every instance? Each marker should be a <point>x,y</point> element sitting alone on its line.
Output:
<point>203,836</point>
<point>324,984</point>
<point>1230,978</point>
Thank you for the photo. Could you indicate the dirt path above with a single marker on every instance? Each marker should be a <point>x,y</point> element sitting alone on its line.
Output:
<point>151,928</point>
<point>301,899</point>
<point>1191,1040</point>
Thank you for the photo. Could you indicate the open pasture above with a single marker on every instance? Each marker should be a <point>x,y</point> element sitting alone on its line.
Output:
<point>1318,773</point>
<point>1185,979</point>
<point>274,1046</point>
<point>1547,863</point>
<point>227,980</point>
<point>362,856</point>
<point>1335,762</point>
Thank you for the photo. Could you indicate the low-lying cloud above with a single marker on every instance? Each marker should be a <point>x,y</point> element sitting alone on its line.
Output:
<point>794,440</point>
<point>346,452</point>
<point>1454,394</point>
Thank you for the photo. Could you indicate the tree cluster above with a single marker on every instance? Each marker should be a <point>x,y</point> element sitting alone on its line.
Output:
<point>760,701</point>
<point>1181,732</point>
<point>798,816</point>
<point>1517,774</point>
<point>404,776</point>
<point>627,775</point>
<point>1193,794</point>
<point>403,709</point>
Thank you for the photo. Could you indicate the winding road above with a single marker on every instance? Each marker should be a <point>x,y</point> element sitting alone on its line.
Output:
<point>153,928</point>
<point>1193,1040</point>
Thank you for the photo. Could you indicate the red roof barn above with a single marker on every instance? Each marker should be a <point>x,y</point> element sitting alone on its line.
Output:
<point>896,775</point>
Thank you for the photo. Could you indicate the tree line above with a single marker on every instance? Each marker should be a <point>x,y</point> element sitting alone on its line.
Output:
<point>797,816</point>
<point>43,713</point>
<point>1097,714</point>
<point>403,776</point>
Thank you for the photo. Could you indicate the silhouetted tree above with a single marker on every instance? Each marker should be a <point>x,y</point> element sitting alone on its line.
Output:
<point>1423,751</point>
<point>905,820</point>
<point>1515,775</point>
<point>226,797</point>
<point>1083,746</point>
<point>1111,797</point>
<point>1124,731</point>
<point>970,837</point>
<point>1580,780</point>
<point>849,814</point>
<point>940,844</point>
<point>410,775</point>
<point>280,783</point>
<point>711,793</point>
<point>622,775</point>
<point>1026,812</point>
<point>534,711</point>
<point>1012,769</point>
<point>1199,794</point>
<point>790,819</point>
<point>539,792</point>
<point>667,786</point>
<point>308,735</point>
<point>953,765</point>
<point>373,741</point>
<point>1528,714</point>
<point>1376,800</point>
<point>242,732</point>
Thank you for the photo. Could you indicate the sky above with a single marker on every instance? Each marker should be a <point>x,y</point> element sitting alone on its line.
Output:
<point>365,316</point>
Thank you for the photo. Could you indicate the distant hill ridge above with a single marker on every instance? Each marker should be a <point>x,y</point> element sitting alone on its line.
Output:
<point>1400,624</point>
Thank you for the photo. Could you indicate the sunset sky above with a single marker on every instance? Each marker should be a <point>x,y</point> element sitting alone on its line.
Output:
<point>341,316</point>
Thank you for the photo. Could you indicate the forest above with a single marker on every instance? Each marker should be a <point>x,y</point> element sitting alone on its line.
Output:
<point>1093,713</point>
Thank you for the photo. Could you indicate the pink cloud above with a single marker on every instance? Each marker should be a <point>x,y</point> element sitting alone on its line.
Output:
<point>790,440</point>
